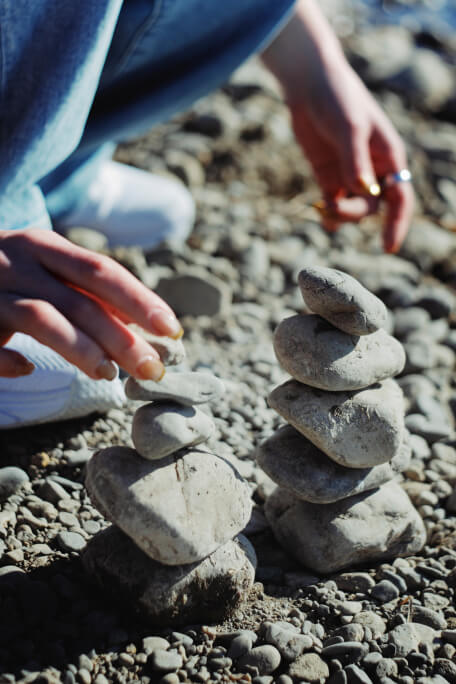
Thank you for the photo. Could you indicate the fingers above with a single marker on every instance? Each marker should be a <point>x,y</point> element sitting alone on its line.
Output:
<point>13,364</point>
<point>399,210</point>
<point>118,341</point>
<point>356,163</point>
<point>105,279</point>
<point>46,324</point>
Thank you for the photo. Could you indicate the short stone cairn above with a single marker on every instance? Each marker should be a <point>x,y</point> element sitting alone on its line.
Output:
<point>173,551</point>
<point>337,504</point>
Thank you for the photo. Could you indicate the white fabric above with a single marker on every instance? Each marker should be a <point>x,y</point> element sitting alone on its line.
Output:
<point>56,390</point>
<point>134,207</point>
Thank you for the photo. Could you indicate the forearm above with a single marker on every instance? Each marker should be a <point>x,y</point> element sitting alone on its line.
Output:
<point>305,45</point>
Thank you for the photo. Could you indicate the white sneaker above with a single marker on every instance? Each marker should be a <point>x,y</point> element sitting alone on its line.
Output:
<point>134,207</point>
<point>56,390</point>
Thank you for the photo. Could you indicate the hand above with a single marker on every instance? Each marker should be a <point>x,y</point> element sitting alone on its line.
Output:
<point>351,144</point>
<point>348,139</point>
<point>78,303</point>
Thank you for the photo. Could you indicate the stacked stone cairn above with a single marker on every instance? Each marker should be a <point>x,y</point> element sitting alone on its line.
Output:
<point>173,551</point>
<point>337,503</point>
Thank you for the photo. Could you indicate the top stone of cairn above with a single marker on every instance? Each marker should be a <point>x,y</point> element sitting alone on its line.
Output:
<point>341,300</point>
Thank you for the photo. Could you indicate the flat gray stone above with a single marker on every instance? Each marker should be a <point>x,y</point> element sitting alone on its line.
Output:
<point>12,480</point>
<point>316,353</point>
<point>171,352</point>
<point>370,527</point>
<point>298,466</point>
<point>357,429</point>
<point>410,636</point>
<point>195,294</point>
<point>341,300</point>
<point>162,428</point>
<point>177,510</point>
<point>185,388</point>
<point>207,591</point>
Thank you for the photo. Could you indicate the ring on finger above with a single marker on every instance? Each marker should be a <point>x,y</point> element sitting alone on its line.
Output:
<point>402,176</point>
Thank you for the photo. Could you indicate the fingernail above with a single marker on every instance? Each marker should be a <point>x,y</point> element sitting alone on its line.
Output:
<point>107,370</point>
<point>166,323</point>
<point>370,186</point>
<point>23,366</point>
<point>150,369</point>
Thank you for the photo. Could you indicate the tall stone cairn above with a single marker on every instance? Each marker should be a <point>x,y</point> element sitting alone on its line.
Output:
<point>173,552</point>
<point>337,503</point>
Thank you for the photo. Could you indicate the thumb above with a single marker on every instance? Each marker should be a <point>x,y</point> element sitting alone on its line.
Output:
<point>13,364</point>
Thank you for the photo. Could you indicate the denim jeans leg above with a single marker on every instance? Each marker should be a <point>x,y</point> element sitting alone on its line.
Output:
<point>164,55</point>
<point>51,58</point>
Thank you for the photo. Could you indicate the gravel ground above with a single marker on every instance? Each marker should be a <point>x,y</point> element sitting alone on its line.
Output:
<point>255,230</point>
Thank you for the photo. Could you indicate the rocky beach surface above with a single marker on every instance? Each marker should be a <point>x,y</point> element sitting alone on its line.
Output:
<point>232,285</point>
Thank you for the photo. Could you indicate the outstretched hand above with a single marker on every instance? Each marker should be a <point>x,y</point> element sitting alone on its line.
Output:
<point>349,141</point>
<point>78,303</point>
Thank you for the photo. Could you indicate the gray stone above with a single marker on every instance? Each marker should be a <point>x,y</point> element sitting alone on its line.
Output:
<point>341,300</point>
<point>385,591</point>
<point>171,352</point>
<point>354,582</point>
<point>285,638</point>
<point>354,650</point>
<point>71,541</point>
<point>205,591</point>
<point>296,464</point>
<point>375,622</point>
<point>369,527</point>
<point>410,320</point>
<point>165,661</point>
<point>429,617</point>
<point>430,429</point>
<point>310,668</point>
<point>12,480</point>
<point>356,429</point>
<point>177,510</point>
<point>317,354</point>
<point>265,658</point>
<point>195,294</point>
<point>160,429</point>
<point>409,636</point>
<point>185,388</point>
<point>152,643</point>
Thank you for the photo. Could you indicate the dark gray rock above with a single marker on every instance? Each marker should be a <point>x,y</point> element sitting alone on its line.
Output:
<point>296,464</point>
<point>169,595</point>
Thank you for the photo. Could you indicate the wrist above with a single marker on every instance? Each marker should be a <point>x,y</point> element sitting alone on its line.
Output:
<point>305,51</point>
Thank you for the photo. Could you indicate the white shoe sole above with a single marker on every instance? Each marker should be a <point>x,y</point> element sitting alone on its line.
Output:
<point>56,390</point>
<point>132,207</point>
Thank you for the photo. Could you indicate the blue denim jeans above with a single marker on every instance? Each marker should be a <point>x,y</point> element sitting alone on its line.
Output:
<point>77,77</point>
